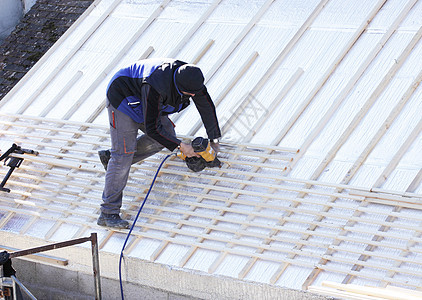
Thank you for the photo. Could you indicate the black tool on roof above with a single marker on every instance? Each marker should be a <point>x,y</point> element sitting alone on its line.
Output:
<point>13,162</point>
<point>208,157</point>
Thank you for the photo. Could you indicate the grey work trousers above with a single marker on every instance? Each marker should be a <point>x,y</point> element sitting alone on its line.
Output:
<point>126,149</point>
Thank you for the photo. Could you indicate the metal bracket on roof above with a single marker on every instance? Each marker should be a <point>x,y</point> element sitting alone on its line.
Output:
<point>13,162</point>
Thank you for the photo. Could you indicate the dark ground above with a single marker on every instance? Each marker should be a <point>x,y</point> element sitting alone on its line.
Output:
<point>37,31</point>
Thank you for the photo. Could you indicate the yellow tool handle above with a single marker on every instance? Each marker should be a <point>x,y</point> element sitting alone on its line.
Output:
<point>181,155</point>
<point>208,154</point>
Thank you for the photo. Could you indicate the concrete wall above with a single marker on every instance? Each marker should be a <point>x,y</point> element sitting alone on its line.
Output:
<point>50,282</point>
<point>10,13</point>
<point>142,279</point>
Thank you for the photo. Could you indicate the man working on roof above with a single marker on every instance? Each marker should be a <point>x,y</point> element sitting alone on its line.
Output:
<point>141,96</point>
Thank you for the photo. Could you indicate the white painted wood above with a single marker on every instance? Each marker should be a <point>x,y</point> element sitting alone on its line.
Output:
<point>227,89</point>
<point>203,51</point>
<point>374,96</point>
<point>176,50</point>
<point>286,89</point>
<point>399,154</point>
<point>220,61</point>
<point>383,129</point>
<point>292,43</point>
<point>252,210</point>
<point>124,50</point>
<point>354,79</point>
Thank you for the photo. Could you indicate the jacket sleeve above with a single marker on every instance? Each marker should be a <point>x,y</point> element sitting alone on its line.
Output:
<point>206,109</point>
<point>152,117</point>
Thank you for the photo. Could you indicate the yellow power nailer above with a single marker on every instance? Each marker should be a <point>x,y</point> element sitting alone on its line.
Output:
<point>208,156</point>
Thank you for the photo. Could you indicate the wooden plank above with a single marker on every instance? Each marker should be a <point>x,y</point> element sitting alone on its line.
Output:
<point>104,241</point>
<point>225,240</point>
<point>59,191</point>
<point>88,167</point>
<point>96,112</point>
<point>366,264</point>
<point>363,275</point>
<point>53,102</point>
<point>416,181</point>
<point>290,45</point>
<point>243,232</point>
<point>176,231</point>
<point>219,229</point>
<point>390,257</point>
<point>245,67</point>
<point>365,108</point>
<point>330,71</point>
<point>203,51</point>
<point>179,163</point>
<point>404,253</point>
<point>304,201</point>
<point>55,260</point>
<point>384,127</point>
<point>220,61</point>
<point>404,291</point>
<point>378,237</point>
<point>401,214</point>
<point>188,36</point>
<point>395,203</point>
<point>210,246</point>
<point>231,49</point>
<point>260,205</point>
<point>36,126</point>
<point>353,80</point>
<point>30,189</point>
<point>53,208</point>
<point>341,238</point>
<point>344,295</point>
<point>223,218</point>
<point>255,154</point>
<point>397,193</point>
<point>331,154</point>
<point>275,103</point>
<point>227,89</point>
<point>337,61</point>
<point>106,130</point>
<point>44,138</point>
<point>192,208</point>
<point>32,213</point>
<point>416,199</point>
<point>51,120</point>
<point>363,194</point>
<point>400,153</point>
<point>372,291</point>
<point>123,51</point>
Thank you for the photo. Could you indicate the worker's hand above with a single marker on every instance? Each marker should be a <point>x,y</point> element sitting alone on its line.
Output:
<point>215,147</point>
<point>188,150</point>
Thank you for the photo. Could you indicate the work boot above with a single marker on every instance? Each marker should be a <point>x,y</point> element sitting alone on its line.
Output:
<point>112,220</point>
<point>104,157</point>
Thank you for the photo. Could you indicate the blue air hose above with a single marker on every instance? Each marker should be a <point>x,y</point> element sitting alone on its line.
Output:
<point>134,222</point>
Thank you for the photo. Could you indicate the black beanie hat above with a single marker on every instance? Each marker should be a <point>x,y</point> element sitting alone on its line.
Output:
<point>189,78</point>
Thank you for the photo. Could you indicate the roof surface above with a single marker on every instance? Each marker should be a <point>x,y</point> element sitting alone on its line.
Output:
<point>319,102</point>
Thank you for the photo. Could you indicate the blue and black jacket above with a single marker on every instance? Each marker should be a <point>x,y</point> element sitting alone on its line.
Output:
<point>146,90</point>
